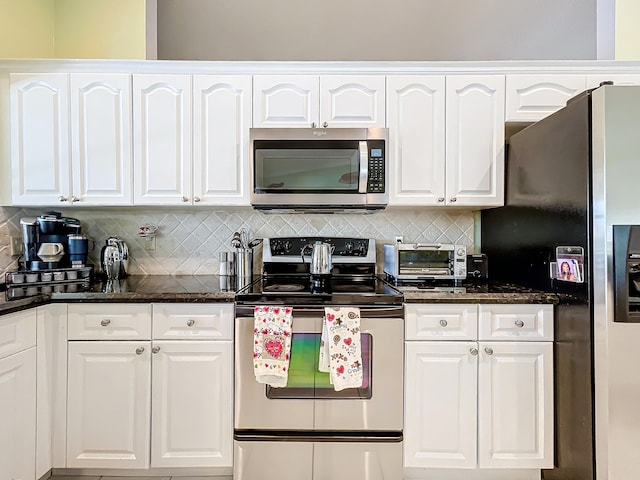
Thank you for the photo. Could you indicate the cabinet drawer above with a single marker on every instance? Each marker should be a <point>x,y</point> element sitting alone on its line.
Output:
<point>109,321</point>
<point>516,322</point>
<point>181,321</point>
<point>437,321</point>
<point>17,332</point>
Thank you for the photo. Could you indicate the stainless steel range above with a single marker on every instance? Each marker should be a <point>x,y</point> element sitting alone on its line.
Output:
<point>311,429</point>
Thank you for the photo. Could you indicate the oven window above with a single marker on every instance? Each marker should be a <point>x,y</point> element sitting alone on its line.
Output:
<point>305,381</point>
<point>319,167</point>
<point>423,260</point>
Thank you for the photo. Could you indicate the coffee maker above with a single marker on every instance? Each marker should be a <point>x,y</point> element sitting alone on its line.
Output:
<point>38,233</point>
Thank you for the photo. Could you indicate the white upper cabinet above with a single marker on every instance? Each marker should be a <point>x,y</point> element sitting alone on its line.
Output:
<point>319,101</point>
<point>71,139</point>
<point>416,112</point>
<point>475,140</point>
<point>532,97</point>
<point>222,118</point>
<point>40,163</point>
<point>101,138</point>
<point>162,139</point>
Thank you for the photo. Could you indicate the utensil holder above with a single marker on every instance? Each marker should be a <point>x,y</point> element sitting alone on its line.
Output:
<point>244,262</point>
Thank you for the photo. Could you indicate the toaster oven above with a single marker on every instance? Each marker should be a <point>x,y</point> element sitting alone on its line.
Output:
<point>422,261</point>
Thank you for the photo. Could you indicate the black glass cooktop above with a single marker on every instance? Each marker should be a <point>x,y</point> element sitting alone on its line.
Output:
<point>339,289</point>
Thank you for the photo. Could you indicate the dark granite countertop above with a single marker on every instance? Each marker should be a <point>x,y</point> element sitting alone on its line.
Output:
<point>214,288</point>
<point>486,292</point>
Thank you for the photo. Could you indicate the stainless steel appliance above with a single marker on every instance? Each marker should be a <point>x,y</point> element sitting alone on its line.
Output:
<point>571,179</point>
<point>319,169</point>
<point>421,261</point>
<point>321,433</point>
<point>114,258</point>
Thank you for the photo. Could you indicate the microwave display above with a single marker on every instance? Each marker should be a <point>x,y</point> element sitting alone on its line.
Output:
<point>318,167</point>
<point>423,260</point>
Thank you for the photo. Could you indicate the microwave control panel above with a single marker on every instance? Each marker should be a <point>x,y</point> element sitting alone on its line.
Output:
<point>376,180</point>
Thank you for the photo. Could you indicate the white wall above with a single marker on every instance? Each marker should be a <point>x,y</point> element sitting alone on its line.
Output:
<point>377,29</point>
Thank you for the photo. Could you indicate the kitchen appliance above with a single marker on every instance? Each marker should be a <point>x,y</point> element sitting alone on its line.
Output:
<point>422,261</point>
<point>571,178</point>
<point>49,228</point>
<point>114,258</point>
<point>326,170</point>
<point>477,267</point>
<point>309,424</point>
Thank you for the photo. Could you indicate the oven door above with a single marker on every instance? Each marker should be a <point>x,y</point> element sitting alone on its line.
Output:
<point>309,403</point>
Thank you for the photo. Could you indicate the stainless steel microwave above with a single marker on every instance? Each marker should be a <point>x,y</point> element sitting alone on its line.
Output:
<point>319,169</point>
<point>421,261</point>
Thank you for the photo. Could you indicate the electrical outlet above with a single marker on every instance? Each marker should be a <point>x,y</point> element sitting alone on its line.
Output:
<point>399,239</point>
<point>16,247</point>
<point>150,243</point>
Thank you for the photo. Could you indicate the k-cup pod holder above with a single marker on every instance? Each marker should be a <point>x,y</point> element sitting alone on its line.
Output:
<point>37,278</point>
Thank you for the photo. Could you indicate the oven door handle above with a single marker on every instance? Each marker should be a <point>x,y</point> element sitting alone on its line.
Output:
<point>366,311</point>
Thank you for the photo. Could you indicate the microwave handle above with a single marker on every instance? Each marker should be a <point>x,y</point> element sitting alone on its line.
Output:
<point>364,167</point>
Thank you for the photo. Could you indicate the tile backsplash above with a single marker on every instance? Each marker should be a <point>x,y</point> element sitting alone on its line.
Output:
<point>189,240</point>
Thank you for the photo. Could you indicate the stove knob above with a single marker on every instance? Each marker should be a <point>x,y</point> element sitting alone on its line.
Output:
<point>348,247</point>
<point>287,246</point>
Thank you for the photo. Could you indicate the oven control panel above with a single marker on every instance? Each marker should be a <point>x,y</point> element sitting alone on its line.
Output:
<point>344,247</point>
<point>349,249</point>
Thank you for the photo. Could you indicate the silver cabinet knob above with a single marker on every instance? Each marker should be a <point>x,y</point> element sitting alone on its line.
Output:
<point>155,349</point>
<point>185,199</point>
<point>453,199</point>
<point>325,124</point>
<point>191,323</point>
<point>473,351</point>
<point>519,323</point>
<point>440,199</point>
<point>139,350</point>
<point>105,322</point>
<point>196,199</point>
<point>62,198</point>
<point>443,323</point>
<point>313,124</point>
<point>488,350</point>
<point>74,199</point>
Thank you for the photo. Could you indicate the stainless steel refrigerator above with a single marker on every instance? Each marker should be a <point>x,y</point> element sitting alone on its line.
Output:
<point>571,180</point>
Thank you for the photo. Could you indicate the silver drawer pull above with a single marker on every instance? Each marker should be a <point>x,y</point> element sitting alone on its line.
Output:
<point>139,350</point>
<point>191,323</point>
<point>155,349</point>
<point>473,351</point>
<point>443,323</point>
<point>488,350</point>
<point>519,323</point>
<point>105,322</point>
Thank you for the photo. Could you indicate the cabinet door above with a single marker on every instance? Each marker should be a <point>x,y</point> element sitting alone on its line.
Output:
<point>192,414</point>
<point>101,138</point>
<point>162,139</point>
<point>222,118</point>
<point>285,100</point>
<point>416,112</point>
<point>18,416</point>
<point>108,407</point>
<point>440,404</point>
<point>40,162</point>
<point>530,98</point>
<point>475,140</point>
<point>515,405</point>
<point>352,101</point>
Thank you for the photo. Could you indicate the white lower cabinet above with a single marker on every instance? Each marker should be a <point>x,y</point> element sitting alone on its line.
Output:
<point>476,404</point>
<point>18,396</point>
<point>142,402</point>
